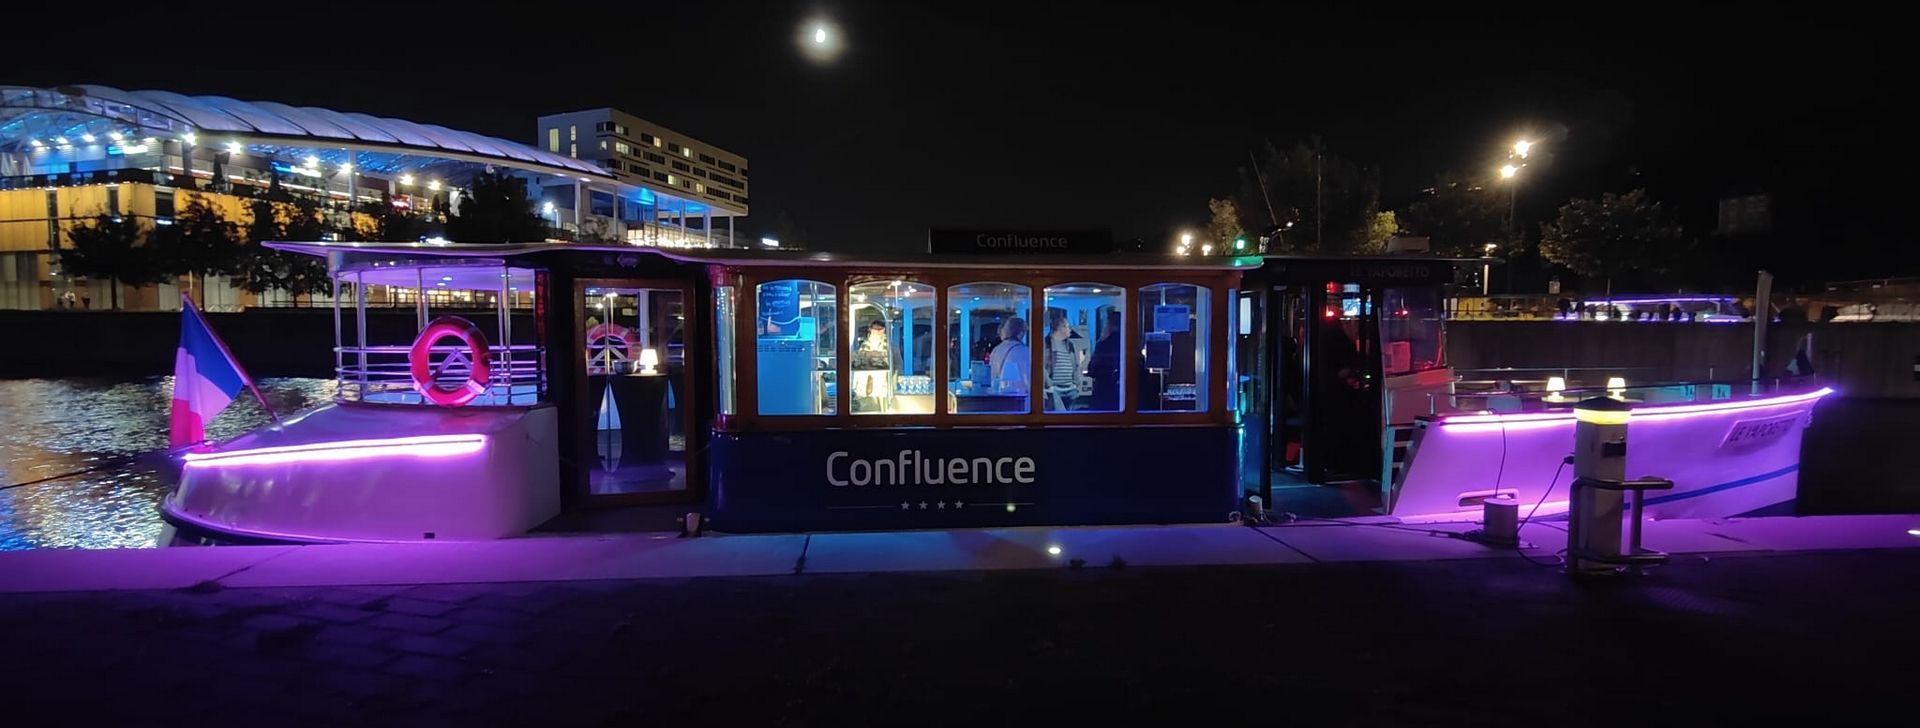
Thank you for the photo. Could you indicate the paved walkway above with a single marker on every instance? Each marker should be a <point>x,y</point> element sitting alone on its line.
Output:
<point>971,628</point>
<point>644,556</point>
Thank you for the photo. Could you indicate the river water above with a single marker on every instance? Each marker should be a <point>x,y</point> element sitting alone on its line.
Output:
<point>55,426</point>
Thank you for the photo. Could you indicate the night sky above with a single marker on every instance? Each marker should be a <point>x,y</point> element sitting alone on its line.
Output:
<point>1111,116</point>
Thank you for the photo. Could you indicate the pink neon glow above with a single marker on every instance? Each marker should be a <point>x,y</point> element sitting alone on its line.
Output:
<point>1549,508</point>
<point>420,446</point>
<point>1533,420</point>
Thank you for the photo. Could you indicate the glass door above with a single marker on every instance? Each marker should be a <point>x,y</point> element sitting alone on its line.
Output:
<point>638,408</point>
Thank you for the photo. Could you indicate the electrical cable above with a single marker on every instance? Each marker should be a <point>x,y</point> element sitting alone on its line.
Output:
<point>1536,509</point>
<point>113,463</point>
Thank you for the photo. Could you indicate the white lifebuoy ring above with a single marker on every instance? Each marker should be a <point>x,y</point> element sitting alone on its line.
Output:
<point>619,333</point>
<point>421,360</point>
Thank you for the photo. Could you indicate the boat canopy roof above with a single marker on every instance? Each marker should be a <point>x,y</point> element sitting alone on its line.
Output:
<point>795,258</point>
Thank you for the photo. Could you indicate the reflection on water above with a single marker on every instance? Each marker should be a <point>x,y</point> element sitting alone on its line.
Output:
<point>54,426</point>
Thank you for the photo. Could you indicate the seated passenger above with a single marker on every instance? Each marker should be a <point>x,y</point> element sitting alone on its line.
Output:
<point>1009,363</point>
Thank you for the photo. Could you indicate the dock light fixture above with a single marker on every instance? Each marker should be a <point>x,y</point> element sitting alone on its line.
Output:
<point>649,362</point>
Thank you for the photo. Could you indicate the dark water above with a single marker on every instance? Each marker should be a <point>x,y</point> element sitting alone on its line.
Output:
<point>54,426</point>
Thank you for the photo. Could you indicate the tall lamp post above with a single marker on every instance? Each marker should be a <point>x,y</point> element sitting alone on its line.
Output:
<point>1510,173</point>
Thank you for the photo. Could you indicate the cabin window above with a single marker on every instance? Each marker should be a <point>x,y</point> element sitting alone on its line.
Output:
<point>1411,340</point>
<point>794,325</point>
<point>890,341</point>
<point>723,310</point>
<point>1081,352</point>
<point>375,362</point>
<point>990,360</point>
<point>1171,362</point>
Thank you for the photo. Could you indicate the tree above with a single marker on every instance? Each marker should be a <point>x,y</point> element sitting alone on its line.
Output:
<point>1459,217</point>
<point>495,209</point>
<point>114,248</point>
<point>394,225</point>
<point>1329,200</point>
<point>264,268</point>
<point>1381,229</point>
<point>1225,226</point>
<point>1612,236</point>
<point>200,240</point>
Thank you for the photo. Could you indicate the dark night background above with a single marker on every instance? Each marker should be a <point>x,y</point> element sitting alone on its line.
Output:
<point>1120,116</point>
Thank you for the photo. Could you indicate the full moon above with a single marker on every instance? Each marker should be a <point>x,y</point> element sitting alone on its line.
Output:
<point>820,40</point>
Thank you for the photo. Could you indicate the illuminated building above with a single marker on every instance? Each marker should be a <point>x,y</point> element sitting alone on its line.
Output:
<point>73,153</point>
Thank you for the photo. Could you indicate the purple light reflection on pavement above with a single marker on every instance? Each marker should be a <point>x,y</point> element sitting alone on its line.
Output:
<point>418,446</point>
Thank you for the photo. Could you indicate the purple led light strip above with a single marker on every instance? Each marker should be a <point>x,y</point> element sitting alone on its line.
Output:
<point>1531,420</point>
<point>418,446</point>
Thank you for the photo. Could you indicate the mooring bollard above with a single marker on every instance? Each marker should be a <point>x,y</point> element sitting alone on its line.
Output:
<point>1598,500</point>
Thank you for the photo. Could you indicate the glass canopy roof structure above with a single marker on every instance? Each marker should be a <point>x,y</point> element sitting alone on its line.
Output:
<point>68,116</point>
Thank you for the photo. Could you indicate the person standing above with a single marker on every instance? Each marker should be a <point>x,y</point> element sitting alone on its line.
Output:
<point>1008,365</point>
<point>1063,364</point>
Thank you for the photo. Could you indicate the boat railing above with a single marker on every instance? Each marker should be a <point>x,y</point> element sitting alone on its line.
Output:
<point>384,374</point>
<point>1520,392</point>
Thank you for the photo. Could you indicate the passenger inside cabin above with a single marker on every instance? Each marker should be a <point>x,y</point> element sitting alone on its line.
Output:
<point>873,366</point>
<point>1008,364</point>
<point>875,352</point>
<point>1104,369</point>
<point>1062,364</point>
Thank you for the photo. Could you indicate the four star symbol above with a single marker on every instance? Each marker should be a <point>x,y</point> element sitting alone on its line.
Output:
<point>939,505</point>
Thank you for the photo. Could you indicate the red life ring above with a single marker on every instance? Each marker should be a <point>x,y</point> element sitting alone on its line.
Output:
<point>421,359</point>
<point>617,332</point>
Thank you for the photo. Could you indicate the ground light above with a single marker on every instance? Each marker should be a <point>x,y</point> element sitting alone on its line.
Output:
<point>1053,550</point>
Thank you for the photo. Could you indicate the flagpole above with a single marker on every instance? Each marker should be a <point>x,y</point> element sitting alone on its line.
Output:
<point>187,302</point>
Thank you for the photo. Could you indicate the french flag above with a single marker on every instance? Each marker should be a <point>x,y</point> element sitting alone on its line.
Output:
<point>205,378</point>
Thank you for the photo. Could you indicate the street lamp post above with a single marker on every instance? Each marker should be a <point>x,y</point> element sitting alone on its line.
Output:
<point>1510,173</point>
<point>1486,270</point>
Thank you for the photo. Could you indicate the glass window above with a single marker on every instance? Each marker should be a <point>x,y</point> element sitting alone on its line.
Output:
<point>1080,359</point>
<point>723,308</point>
<point>892,329</point>
<point>1412,331</point>
<point>794,326</point>
<point>1173,351</point>
<point>989,361</point>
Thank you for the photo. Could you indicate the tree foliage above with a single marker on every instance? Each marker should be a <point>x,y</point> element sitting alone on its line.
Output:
<point>1381,228</point>
<point>200,240</point>
<point>1612,236</point>
<point>1330,201</point>
<point>262,268</point>
<point>1459,217</point>
<point>112,248</point>
<point>1225,225</point>
<point>495,209</point>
